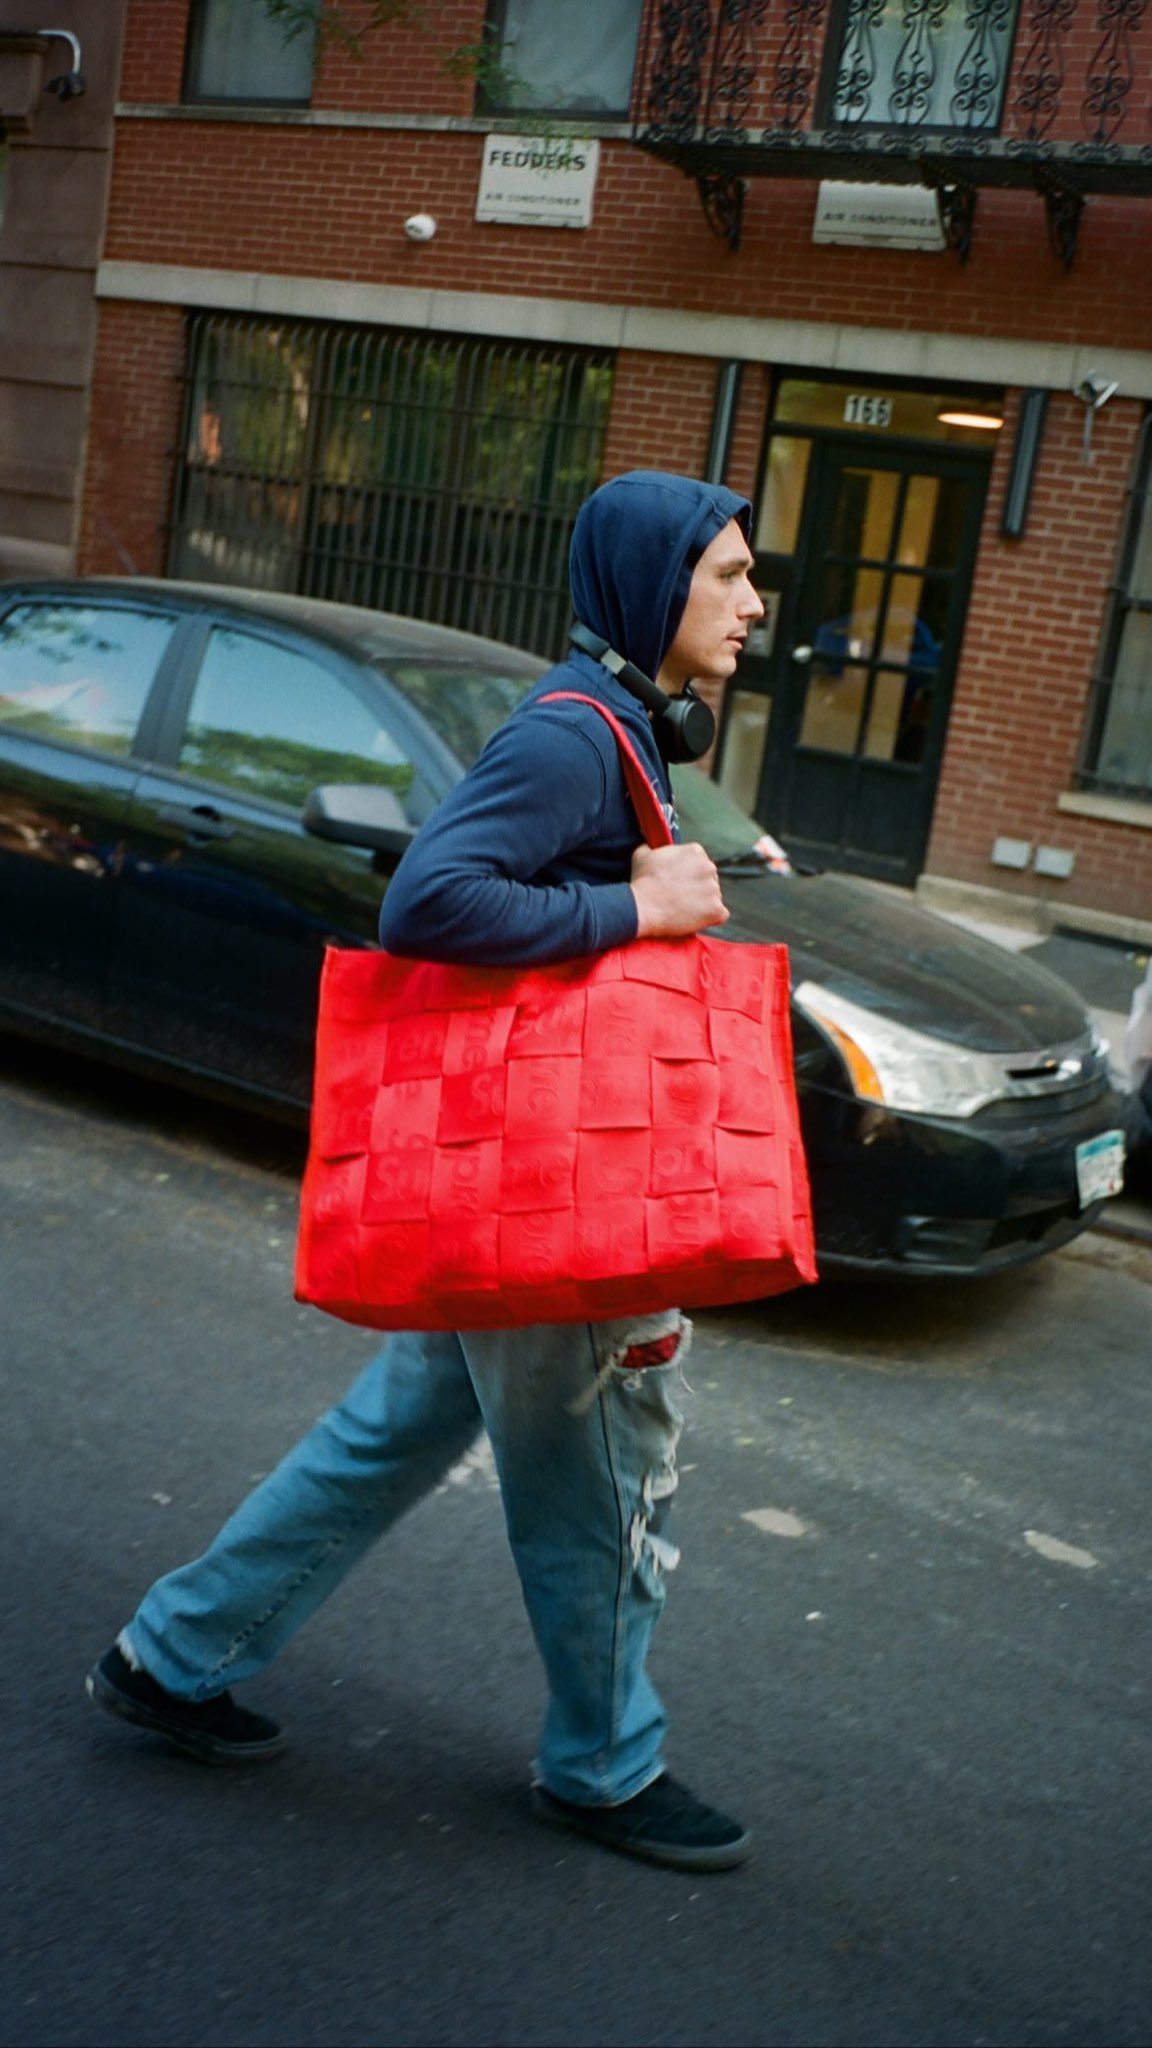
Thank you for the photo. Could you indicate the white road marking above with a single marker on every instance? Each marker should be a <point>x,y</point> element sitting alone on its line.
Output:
<point>478,1463</point>
<point>776,1522</point>
<point>1060,1553</point>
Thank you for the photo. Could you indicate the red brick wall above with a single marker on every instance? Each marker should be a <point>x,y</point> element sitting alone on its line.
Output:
<point>332,202</point>
<point>661,415</point>
<point>135,429</point>
<point>282,197</point>
<point>401,70</point>
<point>1031,642</point>
<point>153,65</point>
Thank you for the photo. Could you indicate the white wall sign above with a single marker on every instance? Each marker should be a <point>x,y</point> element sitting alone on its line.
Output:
<point>540,181</point>
<point>877,216</point>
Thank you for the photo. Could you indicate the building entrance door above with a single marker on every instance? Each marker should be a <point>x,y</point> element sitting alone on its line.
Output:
<point>862,681</point>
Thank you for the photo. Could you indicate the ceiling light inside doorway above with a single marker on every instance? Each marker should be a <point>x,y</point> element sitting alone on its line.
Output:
<point>990,421</point>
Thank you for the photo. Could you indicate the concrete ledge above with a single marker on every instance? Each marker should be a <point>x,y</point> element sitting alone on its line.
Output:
<point>20,558</point>
<point>1039,914</point>
<point>599,323</point>
<point>1114,810</point>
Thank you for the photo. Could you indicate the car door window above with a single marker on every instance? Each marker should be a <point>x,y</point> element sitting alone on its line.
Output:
<point>274,724</point>
<point>79,673</point>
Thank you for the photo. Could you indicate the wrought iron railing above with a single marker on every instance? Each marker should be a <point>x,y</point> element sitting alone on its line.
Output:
<point>954,94</point>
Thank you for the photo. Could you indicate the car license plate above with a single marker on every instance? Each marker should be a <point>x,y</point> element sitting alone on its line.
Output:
<point>1100,1167</point>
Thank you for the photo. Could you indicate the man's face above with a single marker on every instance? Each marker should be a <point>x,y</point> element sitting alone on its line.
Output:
<point>721,606</point>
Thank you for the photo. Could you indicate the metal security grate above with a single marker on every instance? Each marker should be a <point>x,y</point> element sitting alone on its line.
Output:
<point>433,475</point>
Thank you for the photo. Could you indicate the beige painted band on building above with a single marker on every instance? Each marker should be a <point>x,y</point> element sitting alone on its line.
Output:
<point>803,344</point>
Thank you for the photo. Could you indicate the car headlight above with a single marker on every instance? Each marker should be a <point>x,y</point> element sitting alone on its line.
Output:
<point>901,1068</point>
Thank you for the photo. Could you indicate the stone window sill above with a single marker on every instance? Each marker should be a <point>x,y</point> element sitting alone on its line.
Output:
<point>336,117</point>
<point>1111,810</point>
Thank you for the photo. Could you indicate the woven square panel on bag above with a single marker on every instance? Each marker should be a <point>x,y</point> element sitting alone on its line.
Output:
<point>493,1148</point>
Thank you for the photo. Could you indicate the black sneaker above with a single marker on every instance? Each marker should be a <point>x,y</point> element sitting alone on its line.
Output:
<point>216,1731</point>
<point>662,1824</point>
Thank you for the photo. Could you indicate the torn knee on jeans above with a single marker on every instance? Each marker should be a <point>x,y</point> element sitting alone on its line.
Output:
<point>666,1344</point>
<point>652,1340</point>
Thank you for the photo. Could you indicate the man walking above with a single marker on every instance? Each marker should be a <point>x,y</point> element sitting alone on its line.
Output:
<point>532,858</point>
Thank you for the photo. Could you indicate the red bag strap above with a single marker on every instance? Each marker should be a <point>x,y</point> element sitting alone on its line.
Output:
<point>650,814</point>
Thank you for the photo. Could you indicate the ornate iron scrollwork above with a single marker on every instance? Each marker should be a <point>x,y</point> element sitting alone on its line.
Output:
<point>722,198</point>
<point>914,72</point>
<point>852,93</point>
<point>1110,70</point>
<point>734,68</point>
<point>798,62</point>
<point>917,96</point>
<point>676,79</point>
<point>979,76</point>
<point>1041,70</point>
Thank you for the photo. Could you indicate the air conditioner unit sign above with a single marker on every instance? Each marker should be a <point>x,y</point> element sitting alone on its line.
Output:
<point>538,181</point>
<point>877,216</point>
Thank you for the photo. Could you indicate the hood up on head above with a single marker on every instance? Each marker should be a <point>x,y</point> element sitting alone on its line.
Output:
<point>634,547</point>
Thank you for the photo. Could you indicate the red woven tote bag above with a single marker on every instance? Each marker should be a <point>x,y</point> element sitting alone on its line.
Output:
<point>495,1147</point>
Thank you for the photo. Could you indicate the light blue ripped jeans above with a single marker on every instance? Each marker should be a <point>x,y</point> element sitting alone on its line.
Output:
<point>585,1451</point>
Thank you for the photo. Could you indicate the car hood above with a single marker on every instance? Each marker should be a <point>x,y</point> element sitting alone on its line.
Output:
<point>904,962</point>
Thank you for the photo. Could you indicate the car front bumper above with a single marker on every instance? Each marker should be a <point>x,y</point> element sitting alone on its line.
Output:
<point>904,1195</point>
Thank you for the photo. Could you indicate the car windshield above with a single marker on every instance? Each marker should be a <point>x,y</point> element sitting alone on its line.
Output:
<point>707,814</point>
<point>463,706</point>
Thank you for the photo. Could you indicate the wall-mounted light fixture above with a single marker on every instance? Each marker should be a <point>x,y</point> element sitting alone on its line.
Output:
<point>69,85</point>
<point>1093,391</point>
<point>990,422</point>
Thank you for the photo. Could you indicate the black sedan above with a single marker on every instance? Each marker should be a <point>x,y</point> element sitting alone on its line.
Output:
<point>201,788</point>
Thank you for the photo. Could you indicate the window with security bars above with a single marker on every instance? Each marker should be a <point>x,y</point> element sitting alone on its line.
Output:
<point>1118,759</point>
<point>432,475</point>
<point>919,63</point>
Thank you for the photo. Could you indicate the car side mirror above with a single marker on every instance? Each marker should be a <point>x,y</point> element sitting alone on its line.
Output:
<point>358,814</point>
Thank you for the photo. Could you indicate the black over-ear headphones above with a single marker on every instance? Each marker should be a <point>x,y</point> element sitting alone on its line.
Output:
<point>685,727</point>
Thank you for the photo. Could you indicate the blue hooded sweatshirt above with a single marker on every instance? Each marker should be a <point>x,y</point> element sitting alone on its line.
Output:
<point>528,859</point>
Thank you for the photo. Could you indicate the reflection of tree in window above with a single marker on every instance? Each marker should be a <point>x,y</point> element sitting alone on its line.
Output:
<point>274,723</point>
<point>80,673</point>
<point>279,770</point>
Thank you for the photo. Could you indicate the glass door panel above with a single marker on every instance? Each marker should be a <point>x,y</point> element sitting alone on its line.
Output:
<point>932,526</point>
<point>908,637</point>
<point>833,708</point>
<point>920,502</point>
<point>849,613</point>
<point>899,717</point>
<point>863,514</point>
<point>782,498</point>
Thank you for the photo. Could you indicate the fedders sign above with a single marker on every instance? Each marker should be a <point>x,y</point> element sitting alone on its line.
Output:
<point>540,181</point>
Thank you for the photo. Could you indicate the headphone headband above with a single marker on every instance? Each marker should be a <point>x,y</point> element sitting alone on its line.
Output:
<point>685,727</point>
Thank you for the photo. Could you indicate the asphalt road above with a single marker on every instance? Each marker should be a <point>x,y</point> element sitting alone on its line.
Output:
<point>908,1643</point>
